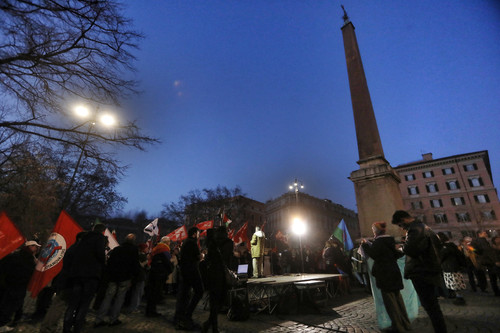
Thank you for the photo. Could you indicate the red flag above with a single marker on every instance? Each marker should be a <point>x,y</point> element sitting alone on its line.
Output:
<point>205,225</point>
<point>10,237</point>
<point>178,234</point>
<point>280,236</point>
<point>51,257</point>
<point>226,220</point>
<point>230,234</point>
<point>241,235</point>
<point>203,233</point>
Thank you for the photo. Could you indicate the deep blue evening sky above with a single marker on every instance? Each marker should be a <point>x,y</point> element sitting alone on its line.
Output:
<point>255,93</point>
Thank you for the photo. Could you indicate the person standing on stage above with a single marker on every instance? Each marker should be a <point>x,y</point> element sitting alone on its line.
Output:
<point>257,248</point>
<point>387,275</point>
<point>423,265</point>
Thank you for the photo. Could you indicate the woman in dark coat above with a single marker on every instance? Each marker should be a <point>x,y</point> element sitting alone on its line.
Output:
<point>387,275</point>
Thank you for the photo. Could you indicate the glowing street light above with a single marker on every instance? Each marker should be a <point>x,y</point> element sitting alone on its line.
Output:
<point>299,228</point>
<point>84,112</point>
<point>296,186</point>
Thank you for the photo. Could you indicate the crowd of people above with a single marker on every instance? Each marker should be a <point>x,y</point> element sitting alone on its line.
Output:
<point>435,266</point>
<point>119,280</point>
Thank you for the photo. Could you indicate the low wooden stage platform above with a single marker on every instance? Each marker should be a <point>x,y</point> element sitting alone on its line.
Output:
<point>268,293</point>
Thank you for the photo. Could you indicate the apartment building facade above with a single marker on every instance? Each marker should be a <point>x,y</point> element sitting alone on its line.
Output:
<point>321,216</point>
<point>454,194</point>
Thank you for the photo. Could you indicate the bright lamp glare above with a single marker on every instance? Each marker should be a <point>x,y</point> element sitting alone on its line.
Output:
<point>82,111</point>
<point>298,227</point>
<point>108,120</point>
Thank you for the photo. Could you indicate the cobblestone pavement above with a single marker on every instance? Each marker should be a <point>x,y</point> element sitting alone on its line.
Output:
<point>346,313</point>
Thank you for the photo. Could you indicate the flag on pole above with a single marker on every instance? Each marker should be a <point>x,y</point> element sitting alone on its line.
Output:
<point>178,234</point>
<point>205,225</point>
<point>242,235</point>
<point>112,242</point>
<point>281,237</point>
<point>342,234</point>
<point>230,233</point>
<point>10,237</point>
<point>203,234</point>
<point>51,257</point>
<point>226,220</point>
<point>152,228</point>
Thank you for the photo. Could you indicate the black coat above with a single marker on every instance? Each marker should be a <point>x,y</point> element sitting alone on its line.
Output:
<point>189,256</point>
<point>452,259</point>
<point>422,248</point>
<point>123,262</point>
<point>385,268</point>
<point>485,252</point>
<point>16,269</point>
<point>89,256</point>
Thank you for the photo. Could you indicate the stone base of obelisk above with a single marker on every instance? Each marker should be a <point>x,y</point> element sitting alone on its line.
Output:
<point>376,186</point>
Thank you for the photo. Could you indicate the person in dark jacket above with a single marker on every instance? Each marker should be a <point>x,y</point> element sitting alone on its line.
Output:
<point>423,265</point>
<point>61,289</point>
<point>85,271</point>
<point>122,266</point>
<point>452,262</point>
<point>495,243</point>
<point>216,283</point>
<point>15,274</point>
<point>486,259</point>
<point>161,267</point>
<point>189,278</point>
<point>387,275</point>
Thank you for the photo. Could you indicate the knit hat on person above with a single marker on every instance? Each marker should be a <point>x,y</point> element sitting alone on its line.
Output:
<point>379,225</point>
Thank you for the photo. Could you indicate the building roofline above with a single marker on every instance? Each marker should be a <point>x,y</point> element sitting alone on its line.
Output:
<point>485,158</point>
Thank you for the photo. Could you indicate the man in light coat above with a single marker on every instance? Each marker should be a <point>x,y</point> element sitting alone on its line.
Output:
<point>257,249</point>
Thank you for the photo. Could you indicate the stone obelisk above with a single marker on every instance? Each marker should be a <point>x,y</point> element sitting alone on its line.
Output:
<point>375,183</point>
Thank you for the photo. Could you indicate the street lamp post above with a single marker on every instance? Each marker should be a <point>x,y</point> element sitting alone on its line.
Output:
<point>299,228</point>
<point>296,186</point>
<point>84,112</point>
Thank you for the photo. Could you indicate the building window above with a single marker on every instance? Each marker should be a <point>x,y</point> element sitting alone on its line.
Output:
<point>482,198</point>
<point>452,185</point>
<point>428,174</point>
<point>410,177</point>
<point>475,181</point>
<point>458,201</point>
<point>489,215</point>
<point>413,189</point>
<point>440,218</point>
<point>421,218</point>
<point>432,188</point>
<point>436,203</point>
<point>463,217</point>
<point>417,205</point>
<point>448,171</point>
<point>470,167</point>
